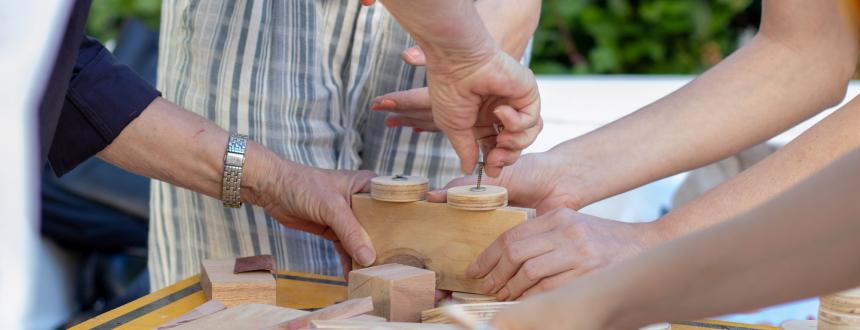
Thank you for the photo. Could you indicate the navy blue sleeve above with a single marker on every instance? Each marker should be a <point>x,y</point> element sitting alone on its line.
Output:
<point>103,98</point>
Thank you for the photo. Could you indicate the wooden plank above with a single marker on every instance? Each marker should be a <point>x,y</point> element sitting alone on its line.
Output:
<point>433,236</point>
<point>344,310</point>
<point>471,298</point>
<point>363,325</point>
<point>399,292</point>
<point>244,316</point>
<point>480,312</point>
<point>220,283</point>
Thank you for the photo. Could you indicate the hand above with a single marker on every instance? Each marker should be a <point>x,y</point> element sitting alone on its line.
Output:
<point>570,308</point>
<point>318,201</point>
<point>542,181</point>
<point>551,250</point>
<point>510,22</point>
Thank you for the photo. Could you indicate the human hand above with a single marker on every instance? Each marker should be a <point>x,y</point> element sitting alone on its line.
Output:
<point>569,308</point>
<point>511,23</point>
<point>549,251</point>
<point>318,201</point>
<point>542,181</point>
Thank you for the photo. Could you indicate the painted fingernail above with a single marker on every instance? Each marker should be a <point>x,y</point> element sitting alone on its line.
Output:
<point>417,130</point>
<point>386,103</point>
<point>391,123</point>
<point>365,256</point>
<point>375,106</point>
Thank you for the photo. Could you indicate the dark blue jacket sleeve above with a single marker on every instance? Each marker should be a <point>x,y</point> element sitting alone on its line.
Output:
<point>103,98</point>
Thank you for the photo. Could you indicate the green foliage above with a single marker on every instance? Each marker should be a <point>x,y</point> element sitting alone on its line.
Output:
<point>638,36</point>
<point>106,16</point>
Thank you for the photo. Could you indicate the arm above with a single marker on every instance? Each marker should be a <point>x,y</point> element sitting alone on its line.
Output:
<point>472,84</point>
<point>799,244</point>
<point>171,144</point>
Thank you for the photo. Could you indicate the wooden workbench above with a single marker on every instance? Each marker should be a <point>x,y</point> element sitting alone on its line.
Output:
<point>295,290</point>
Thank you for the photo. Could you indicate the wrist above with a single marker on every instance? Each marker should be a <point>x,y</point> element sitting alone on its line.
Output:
<point>578,172</point>
<point>263,170</point>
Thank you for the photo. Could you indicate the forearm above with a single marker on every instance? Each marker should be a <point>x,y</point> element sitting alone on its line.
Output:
<point>171,144</point>
<point>800,244</point>
<point>774,82</point>
<point>832,138</point>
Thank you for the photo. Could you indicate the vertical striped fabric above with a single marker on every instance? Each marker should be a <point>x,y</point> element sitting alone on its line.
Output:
<point>297,76</point>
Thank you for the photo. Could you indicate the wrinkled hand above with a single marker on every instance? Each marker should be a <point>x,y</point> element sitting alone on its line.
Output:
<point>511,23</point>
<point>551,250</point>
<point>541,181</point>
<point>318,201</point>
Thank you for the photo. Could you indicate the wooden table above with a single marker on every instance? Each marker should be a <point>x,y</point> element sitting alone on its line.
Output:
<point>295,290</point>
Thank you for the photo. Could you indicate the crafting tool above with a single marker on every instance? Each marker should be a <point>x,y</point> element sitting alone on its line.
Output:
<point>480,176</point>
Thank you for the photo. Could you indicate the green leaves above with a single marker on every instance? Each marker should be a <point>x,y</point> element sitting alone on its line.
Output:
<point>106,16</point>
<point>637,36</point>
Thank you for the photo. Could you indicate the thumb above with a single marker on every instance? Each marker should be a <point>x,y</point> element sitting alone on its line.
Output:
<point>465,146</point>
<point>352,236</point>
<point>414,56</point>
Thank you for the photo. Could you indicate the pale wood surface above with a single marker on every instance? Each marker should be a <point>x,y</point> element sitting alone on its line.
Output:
<point>220,283</point>
<point>244,316</point>
<point>340,311</point>
<point>470,298</point>
<point>469,198</point>
<point>433,236</point>
<point>399,292</point>
<point>398,188</point>
<point>362,325</point>
<point>478,311</point>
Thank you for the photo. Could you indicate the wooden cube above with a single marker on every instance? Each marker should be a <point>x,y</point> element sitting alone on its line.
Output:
<point>221,284</point>
<point>399,292</point>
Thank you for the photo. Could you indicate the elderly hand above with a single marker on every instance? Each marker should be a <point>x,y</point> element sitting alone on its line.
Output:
<point>318,201</point>
<point>555,248</point>
<point>472,83</point>
<point>510,22</point>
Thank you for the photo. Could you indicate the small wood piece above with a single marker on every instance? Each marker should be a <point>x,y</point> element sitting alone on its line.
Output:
<point>366,318</point>
<point>433,236</point>
<point>840,311</point>
<point>242,316</point>
<point>255,263</point>
<point>399,292</point>
<point>344,310</point>
<point>799,325</point>
<point>471,298</point>
<point>208,308</point>
<point>364,325</point>
<point>471,198</point>
<point>220,283</point>
<point>480,312</point>
<point>398,188</point>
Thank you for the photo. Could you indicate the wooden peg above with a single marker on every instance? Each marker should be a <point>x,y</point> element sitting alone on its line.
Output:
<point>399,292</point>
<point>472,198</point>
<point>398,188</point>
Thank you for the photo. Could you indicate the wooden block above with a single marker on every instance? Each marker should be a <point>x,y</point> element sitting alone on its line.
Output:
<point>219,282</point>
<point>471,298</point>
<point>433,236</point>
<point>399,292</point>
<point>398,188</point>
<point>363,325</point>
<point>344,310</point>
<point>240,317</point>
<point>471,198</point>
<point>479,312</point>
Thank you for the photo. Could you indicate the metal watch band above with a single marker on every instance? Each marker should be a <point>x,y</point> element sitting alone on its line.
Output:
<point>234,160</point>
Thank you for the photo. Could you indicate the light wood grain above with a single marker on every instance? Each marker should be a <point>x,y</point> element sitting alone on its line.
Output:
<point>433,236</point>
<point>471,298</point>
<point>244,316</point>
<point>340,311</point>
<point>402,188</point>
<point>399,292</point>
<point>362,325</point>
<point>471,199</point>
<point>480,312</point>
<point>219,282</point>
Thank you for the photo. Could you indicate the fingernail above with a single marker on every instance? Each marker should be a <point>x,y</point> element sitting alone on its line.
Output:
<point>487,286</point>
<point>417,130</point>
<point>386,103</point>
<point>375,106</point>
<point>504,293</point>
<point>391,123</point>
<point>412,52</point>
<point>365,256</point>
<point>472,271</point>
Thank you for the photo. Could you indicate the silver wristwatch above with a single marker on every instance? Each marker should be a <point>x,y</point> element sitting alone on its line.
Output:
<point>234,160</point>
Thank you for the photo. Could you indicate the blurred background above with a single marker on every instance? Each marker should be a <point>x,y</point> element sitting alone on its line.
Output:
<point>94,220</point>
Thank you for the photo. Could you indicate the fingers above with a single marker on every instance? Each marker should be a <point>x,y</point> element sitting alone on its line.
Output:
<point>414,56</point>
<point>490,257</point>
<point>552,282</point>
<point>466,148</point>
<point>413,102</point>
<point>518,121</point>
<point>536,269</point>
<point>367,2</point>
<point>514,256</point>
<point>498,158</point>
<point>345,260</point>
<point>355,240</point>
<point>395,120</point>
